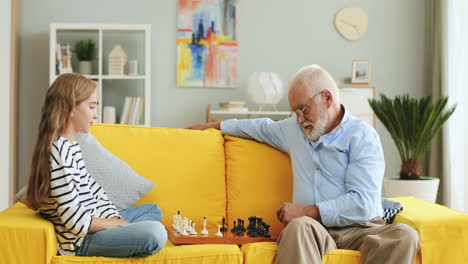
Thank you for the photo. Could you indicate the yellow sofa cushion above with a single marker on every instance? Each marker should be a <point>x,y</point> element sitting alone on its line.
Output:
<point>259,180</point>
<point>186,165</point>
<point>265,252</point>
<point>203,254</point>
<point>443,232</point>
<point>25,236</point>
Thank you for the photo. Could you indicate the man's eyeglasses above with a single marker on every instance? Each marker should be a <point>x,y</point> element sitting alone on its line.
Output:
<point>302,112</point>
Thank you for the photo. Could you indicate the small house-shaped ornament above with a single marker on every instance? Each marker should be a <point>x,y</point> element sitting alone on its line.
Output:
<point>117,61</point>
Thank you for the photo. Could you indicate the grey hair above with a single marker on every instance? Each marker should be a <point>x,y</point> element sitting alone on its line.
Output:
<point>315,79</point>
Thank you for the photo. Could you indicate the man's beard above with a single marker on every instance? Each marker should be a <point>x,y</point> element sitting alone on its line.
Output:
<point>318,129</point>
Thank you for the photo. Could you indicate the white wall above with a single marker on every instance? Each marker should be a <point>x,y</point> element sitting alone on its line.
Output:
<point>274,35</point>
<point>5,84</point>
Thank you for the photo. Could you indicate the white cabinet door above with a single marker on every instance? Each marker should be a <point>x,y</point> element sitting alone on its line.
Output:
<point>355,99</point>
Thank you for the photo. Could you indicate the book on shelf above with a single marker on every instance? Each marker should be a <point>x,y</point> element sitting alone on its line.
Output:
<point>233,106</point>
<point>63,58</point>
<point>234,109</point>
<point>140,110</point>
<point>123,117</point>
<point>132,110</point>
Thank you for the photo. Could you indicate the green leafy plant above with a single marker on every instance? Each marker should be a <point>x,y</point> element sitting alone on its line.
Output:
<point>85,49</point>
<point>413,124</point>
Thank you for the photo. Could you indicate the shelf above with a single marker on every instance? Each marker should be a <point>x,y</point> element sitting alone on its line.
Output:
<point>226,112</point>
<point>124,77</point>
<point>210,112</point>
<point>114,77</point>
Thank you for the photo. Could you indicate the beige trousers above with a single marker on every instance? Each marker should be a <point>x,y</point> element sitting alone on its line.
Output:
<point>304,240</point>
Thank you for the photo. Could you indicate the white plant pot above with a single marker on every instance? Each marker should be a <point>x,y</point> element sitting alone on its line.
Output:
<point>85,67</point>
<point>425,189</point>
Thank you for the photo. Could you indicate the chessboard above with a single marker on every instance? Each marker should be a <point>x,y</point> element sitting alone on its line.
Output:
<point>227,238</point>
<point>237,234</point>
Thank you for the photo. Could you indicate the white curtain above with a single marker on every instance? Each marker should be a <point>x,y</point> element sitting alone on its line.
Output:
<point>448,76</point>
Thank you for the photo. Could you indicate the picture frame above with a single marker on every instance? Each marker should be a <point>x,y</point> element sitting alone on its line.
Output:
<point>361,71</point>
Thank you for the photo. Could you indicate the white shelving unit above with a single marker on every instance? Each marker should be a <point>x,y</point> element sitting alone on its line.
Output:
<point>112,89</point>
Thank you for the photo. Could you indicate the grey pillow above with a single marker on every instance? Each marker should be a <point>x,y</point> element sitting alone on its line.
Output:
<point>123,185</point>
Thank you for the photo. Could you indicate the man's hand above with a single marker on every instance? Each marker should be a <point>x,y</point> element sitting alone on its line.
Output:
<point>288,211</point>
<point>216,125</point>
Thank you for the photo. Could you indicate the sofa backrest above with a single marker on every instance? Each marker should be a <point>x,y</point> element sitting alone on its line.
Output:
<point>187,167</point>
<point>259,180</point>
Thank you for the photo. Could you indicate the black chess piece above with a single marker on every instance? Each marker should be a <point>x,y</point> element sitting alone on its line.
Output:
<point>224,228</point>
<point>234,229</point>
<point>242,225</point>
<point>267,231</point>
<point>239,229</point>
<point>252,227</point>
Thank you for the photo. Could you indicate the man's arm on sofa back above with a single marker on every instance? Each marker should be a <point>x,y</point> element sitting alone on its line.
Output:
<point>443,232</point>
<point>25,237</point>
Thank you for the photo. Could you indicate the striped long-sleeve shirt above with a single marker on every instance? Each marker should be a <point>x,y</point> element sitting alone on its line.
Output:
<point>74,197</point>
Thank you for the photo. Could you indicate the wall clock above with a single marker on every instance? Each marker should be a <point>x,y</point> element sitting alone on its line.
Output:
<point>351,22</point>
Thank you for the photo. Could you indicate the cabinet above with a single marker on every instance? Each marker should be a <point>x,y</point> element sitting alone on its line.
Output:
<point>112,89</point>
<point>355,98</point>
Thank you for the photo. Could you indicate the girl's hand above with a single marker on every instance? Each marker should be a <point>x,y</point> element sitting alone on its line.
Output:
<point>99,224</point>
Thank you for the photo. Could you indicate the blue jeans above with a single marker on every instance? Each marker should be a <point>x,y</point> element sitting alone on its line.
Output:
<point>145,236</point>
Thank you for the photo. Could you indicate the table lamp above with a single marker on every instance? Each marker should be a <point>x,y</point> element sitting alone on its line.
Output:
<point>265,88</point>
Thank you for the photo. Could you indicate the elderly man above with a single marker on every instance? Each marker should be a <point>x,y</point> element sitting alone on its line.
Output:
<point>338,166</point>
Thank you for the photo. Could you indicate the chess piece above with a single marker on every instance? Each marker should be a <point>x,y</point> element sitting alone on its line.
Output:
<point>251,227</point>
<point>204,231</point>
<point>239,229</point>
<point>219,234</point>
<point>188,225</point>
<point>183,232</point>
<point>174,225</point>
<point>234,229</point>
<point>267,230</point>
<point>193,232</point>
<point>224,228</point>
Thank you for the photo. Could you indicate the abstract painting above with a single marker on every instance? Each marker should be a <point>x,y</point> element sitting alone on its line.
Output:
<point>207,49</point>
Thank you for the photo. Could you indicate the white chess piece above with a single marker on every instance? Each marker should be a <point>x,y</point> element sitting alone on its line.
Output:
<point>193,232</point>
<point>204,231</point>
<point>177,222</point>
<point>188,225</point>
<point>184,229</point>
<point>219,234</point>
<point>174,221</point>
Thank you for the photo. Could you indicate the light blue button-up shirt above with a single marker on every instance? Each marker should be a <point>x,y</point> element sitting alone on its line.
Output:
<point>341,173</point>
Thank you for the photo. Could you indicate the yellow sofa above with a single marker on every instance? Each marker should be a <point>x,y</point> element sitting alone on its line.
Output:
<point>202,173</point>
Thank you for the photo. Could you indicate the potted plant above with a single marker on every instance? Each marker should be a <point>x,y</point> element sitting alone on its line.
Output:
<point>413,124</point>
<point>85,51</point>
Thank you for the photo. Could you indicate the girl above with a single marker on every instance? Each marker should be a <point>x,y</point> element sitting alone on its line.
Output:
<point>86,222</point>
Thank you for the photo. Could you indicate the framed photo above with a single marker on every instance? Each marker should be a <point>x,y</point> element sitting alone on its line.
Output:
<point>361,71</point>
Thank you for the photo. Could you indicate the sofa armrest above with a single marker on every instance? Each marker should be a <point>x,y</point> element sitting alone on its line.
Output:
<point>26,237</point>
<point>443,232</point>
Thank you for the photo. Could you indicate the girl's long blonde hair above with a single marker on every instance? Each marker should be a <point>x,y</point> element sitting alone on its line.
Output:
<point>67,91</point>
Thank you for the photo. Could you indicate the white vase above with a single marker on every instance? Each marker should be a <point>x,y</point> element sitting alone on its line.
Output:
<point>425,188</point>
<point>85,67</point>
<point>109,115</point>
